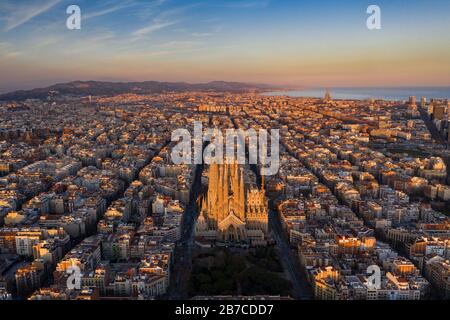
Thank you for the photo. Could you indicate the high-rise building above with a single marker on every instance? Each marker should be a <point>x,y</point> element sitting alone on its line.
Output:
<point>227,213</point>
<point>25,242</point>
<point>439,112</point>
<point>27,280</point>
<point>327,96</point>
<point>437,270</point>
<point>423,102</point>
<point>430,109</point>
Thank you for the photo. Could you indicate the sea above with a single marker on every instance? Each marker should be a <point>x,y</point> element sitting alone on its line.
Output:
<point>391,93</point>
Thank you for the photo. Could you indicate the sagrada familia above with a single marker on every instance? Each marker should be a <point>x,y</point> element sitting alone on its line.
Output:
<point>230,212</point>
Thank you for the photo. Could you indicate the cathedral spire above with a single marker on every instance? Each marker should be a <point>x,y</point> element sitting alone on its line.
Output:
<point>241,194</point>
<point>231,212</point>
<point>262,182</point>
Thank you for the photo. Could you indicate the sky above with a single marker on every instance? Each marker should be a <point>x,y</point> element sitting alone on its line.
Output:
<point>311,43</point>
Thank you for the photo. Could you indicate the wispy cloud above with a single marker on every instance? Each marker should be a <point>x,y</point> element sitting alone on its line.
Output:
<point>247,4</point>
<point>180,44</point>
<point>7,51</point>
<point>4,46</point>
<point>109,9</point>
<point>22,15</point>
<point>91,44</point>
<point>154,26</point>
<point>148,9</point>
<point>13,55</point>
<point>168,52</point>
<point>177,10</point>
<point>163,20</point>
<point>201,34</point>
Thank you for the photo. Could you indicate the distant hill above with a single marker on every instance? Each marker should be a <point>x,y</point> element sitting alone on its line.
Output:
<point>100,88</point>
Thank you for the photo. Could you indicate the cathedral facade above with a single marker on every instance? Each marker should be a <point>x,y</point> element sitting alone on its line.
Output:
<point>230,212</point>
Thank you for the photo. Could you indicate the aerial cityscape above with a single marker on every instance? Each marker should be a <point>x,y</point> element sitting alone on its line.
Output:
<point>219,185</point>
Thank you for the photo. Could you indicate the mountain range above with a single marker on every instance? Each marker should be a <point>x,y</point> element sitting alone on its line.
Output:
<point>101,88</point>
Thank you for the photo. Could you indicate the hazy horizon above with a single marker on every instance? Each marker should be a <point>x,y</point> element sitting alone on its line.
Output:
<point>277,87</point>
<point>283,42</point>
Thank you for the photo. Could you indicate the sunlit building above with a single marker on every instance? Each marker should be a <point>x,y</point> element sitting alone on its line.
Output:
<point>227,213</point>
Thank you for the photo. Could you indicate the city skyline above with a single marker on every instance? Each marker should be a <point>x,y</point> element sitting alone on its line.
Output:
<point>94,205</point>
<point>296,43</point>
<point>213,158</point>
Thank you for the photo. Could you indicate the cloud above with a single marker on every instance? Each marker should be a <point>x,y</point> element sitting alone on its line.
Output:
<point>111,9</point>
<point>247,4</point>
<point>13,55</point>
<point>91,44</point>
<point>148,8</point>
<point>20,16</point>
<point>7,51</point>
<point>169,52</point>
<point>4,45</point>
<point>178,10</point>
<point>163,20</point>
<point>201,34</point>
<point>180,44</point>
<point>155,26</point>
